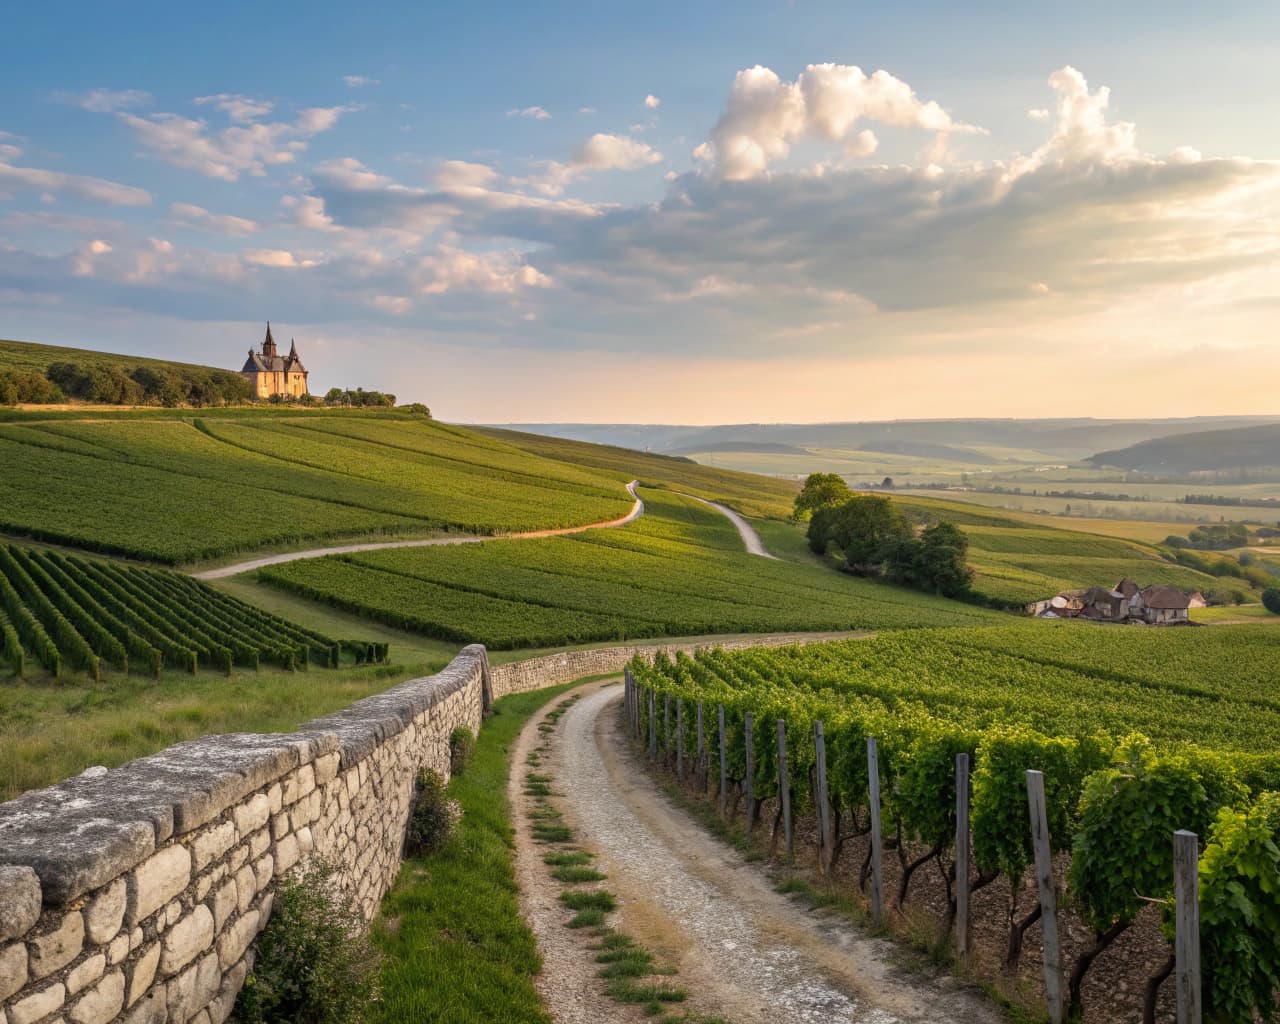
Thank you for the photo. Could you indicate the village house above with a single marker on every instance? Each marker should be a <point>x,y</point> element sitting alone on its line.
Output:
<point>270,374</point>
<point>1127,602</point>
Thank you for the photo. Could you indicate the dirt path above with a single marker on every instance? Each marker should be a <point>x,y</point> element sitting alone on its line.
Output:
<point>637,510</point>
<point>755,546</point>
<point>742,949</point>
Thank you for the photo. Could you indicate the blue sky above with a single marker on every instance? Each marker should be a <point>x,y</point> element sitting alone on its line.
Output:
<point>602,212</point>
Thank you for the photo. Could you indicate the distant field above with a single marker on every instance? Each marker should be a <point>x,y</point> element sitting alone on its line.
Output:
<point>751,495</point>
<point>32,358</point>
<point>178,489</point>
<point>678,570</point>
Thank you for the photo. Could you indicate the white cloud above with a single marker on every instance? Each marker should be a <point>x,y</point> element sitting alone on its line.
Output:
<point>236,107</point>
<point>1038,114</point>
<point>764,116</point>
<point>77,186</point>
<point>1083,132</point>
<point>359,81</point>
<point>603,152</point>
<point>308,212</point>
<point>863,144</point>
<point>587,110</point>
<point>536,113</point>
<point>191,216</point>
<point>652,102</point>
<point>462,174</point>
<point>245,147</point>
<point>105,101</point>
<point>274,258</point>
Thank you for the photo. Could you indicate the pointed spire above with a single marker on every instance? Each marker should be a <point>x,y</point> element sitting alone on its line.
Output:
<point>268,344</point>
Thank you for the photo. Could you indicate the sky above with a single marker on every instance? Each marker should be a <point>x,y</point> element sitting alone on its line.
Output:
<point>669,212</point>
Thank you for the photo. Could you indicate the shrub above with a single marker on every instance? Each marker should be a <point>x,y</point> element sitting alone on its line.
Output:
<point>1271,600</point>
<point>433,817</point>
<point>315,964</point>
<point>462,744</point>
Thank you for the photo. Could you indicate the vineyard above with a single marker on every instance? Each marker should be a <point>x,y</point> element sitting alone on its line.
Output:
<point>679,570</point>
<point>1134,743</point>
<point>62,614</point>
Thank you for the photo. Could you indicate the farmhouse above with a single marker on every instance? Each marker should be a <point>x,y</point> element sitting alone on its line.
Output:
<point>271,374</point>
<point>1126,602</point>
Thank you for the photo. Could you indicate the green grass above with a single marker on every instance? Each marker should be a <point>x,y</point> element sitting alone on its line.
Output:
<point>679,570</point>
<point>29,357</point>
<point>457,950</point>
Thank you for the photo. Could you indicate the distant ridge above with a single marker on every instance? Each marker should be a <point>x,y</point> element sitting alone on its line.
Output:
<point>1205,451</point>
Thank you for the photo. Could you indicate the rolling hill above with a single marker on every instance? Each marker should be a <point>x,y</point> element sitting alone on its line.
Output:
<point>1255,447</point>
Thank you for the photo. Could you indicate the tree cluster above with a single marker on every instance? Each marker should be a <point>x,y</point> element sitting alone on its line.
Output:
<point>146,385</point>
<point>16,386</point>
<point>876,539</point>
<point>359,397</point>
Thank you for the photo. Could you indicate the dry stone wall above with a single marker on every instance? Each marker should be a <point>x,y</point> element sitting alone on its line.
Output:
<point>134,894</point>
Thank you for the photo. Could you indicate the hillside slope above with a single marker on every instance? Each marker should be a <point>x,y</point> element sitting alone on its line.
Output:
<point>1210,451</point>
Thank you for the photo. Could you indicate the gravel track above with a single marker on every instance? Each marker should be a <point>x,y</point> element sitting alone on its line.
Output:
<point>222,572</point>
<point>755,546</point>
<point>742,949</point>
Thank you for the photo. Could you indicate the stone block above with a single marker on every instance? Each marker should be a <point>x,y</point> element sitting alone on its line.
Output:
<point>221,1007</point>
<point>211,844</point>
<point>236,940</point>
<point>86,973</point>
<point>252,814</point>
<point>153,1009</point>
<point>201,1018</point>
<point>259,843</point>
<point>172,913</point>
<point>279,826</point>
<point>143,972</point>
<point>118,950</point>
<point>102,1002</point>
<point>105,912</point>
<point>287,854</point>
<point>224,904</point>
<point>327,768</point>
<point>264,869</point>
<point>19,901</point>
<point>187,939</point>
<point>275,798</point>
<point>56,948</point>
<point>246,888</point>
<point>38,1005</point>
<point>306,843</point>
<point>237,859</point>
<point>156,881</point>
<point>13,969</point>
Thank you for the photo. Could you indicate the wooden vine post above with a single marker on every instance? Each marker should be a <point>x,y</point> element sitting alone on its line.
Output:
<point>750,781</point>
<point>877,845</point>
<point>1186,896</point>
<point>784,788</point>
<point>680,740</point>
<point>700,768</point>
<point>653,726</point>
<point>826,841</point>
<point>1048,896</point>
<point>724,763</point>
<point>962,859</point>
<point>666,728</point>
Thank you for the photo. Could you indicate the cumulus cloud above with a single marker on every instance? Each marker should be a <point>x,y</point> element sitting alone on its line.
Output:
<point>308,212</point>
<point>462,174</point>
<point>652,102</point>
<point>236,107</point>
<point>274,258</point>
<point>535,113</point>
<point>765,116</point>
<point>1038,114</point>
<point>244,147</point>
<point>358,81</point>
<point>191,216</point>
<point>76,186</point>
<point>603,152</point>
<point>105,101</point>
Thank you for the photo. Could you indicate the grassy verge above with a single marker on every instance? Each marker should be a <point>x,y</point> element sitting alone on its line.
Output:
<point>457,948</point>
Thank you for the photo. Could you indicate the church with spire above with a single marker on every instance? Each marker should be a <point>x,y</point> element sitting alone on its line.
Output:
<point>271,374</point>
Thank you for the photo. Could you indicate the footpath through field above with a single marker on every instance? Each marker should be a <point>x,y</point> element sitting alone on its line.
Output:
<point>742,949</point>
<point>755,546</point>
<point>222,572</point>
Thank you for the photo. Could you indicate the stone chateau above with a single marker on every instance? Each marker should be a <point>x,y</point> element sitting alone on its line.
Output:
<point>270,374</point>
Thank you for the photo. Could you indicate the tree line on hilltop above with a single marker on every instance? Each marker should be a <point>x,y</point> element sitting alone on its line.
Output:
<point>868,535</point>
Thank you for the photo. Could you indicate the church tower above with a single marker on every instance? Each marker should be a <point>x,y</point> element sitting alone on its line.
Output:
<point>268,346</point>
<point>270,374</point>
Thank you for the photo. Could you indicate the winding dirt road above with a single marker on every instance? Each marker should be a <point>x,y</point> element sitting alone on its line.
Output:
<point>742,949</point>
<point>755,546</point>
<point>222,572</point>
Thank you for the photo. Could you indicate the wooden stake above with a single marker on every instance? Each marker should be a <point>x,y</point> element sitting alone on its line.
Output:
<point>1048,896</point>
<point>784,789</point>
<point>962,858</point>
<point>826,841</point>
<point>653,726</point>
<point>666,727</point>
<point>724,764</point>
<point>1186,890</point>
<point>680,740</point>
<point>750,781</point>
<point>700,769</point>
<point>877,845</point>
